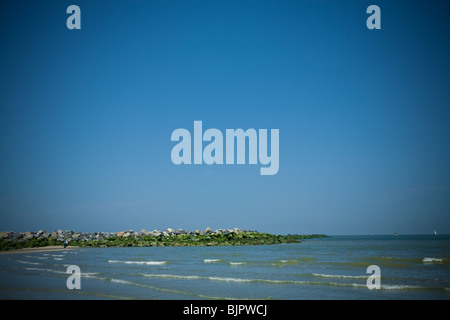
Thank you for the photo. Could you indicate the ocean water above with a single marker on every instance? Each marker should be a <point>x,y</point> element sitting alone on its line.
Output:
<point>411,267</point>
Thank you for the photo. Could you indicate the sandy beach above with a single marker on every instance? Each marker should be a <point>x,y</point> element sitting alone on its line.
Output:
<point>39,249</point>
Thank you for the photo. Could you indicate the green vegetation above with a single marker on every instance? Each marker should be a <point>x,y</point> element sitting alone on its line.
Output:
<point>6,244</point>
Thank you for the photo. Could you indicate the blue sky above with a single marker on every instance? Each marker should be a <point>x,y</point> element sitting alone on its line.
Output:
<point>86,115</point>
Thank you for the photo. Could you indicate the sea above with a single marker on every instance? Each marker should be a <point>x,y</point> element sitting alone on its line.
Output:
<point>331,268</point>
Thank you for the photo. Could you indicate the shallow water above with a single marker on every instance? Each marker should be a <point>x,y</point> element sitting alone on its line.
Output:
<point>412,267</point>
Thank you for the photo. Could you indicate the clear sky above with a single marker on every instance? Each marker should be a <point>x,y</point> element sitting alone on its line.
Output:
<point>86,116</point>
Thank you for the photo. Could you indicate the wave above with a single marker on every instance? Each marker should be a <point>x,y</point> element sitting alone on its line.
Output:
<point>341,276</point>
<point>28,262</point>
<point>306,259</point>
<point>381,261</point>
<point>171,276</point>
<point>121,281</point>
<point>295,282</point>
<point>212,260</point>
<point>89,274</point>
<point>83,274</point>
<point>432,260</point>
<point>224,279</point>
<point>404,261</point>
<point>37,257</point>
<point>231,279</point>
<point>47,270</point>
<point>166,290</point>
<point>236,263</point>
<point>150,263</point>
<point>402,287</point>
<point>282,262</point>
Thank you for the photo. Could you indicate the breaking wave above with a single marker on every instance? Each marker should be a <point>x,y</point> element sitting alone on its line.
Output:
<point>28,262</point>
<point>292,282</point>
<point>341,276</point>
<point>432,260</point>
<point>212,260</point>
<point>150,263</point>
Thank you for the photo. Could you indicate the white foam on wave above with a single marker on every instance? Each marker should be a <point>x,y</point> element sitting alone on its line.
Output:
<point>37,257</point>
<point>172,291</point>
<point>172,276</point>
<point>283,262</point>
<point>83,274</point>
<point>236,263</point>
<point>224,279</point>
<point>121,281</point>
<point>432,260</point>
<point>47,270</point>
<point>287,282</point>
<point>391,286</point>
<point>89,274</point>
<point>150,263</point>
<point>399,287</point>
<point>211,260</point>
<point>281,282</point>
<point>229,279</point>
<point>342,276</point>
<point>28,262</point>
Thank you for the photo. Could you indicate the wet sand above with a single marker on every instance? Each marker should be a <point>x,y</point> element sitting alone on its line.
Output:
<point>40,249</point>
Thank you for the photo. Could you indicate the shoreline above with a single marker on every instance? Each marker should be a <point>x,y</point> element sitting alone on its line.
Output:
<point>39,249</point>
